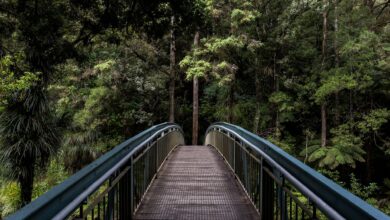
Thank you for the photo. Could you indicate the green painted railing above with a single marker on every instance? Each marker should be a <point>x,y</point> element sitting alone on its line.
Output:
<point>112,186</point>
<point>279,185</point>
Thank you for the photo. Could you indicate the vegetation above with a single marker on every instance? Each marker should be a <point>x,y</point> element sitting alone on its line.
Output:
<point>79,77</point>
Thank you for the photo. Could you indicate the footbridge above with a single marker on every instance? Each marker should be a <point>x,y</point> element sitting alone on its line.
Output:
<point>234,175</point>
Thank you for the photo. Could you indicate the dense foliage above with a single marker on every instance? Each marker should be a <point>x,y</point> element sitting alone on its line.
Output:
<point>79,77</point>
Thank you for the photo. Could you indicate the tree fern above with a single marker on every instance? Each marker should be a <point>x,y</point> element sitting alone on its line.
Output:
<point>344,148</point>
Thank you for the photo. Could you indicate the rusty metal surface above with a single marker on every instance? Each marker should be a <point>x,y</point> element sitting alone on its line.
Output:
<point>195,183</point>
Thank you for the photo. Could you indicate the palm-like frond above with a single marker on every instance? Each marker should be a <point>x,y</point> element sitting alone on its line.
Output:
<point>28,136</point>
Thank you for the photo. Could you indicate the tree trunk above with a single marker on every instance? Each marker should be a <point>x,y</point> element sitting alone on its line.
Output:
<point>172,68</point>
<point>26,182</point>
<point>231,99</point>
<point>323,124</point>
<point>324,44</point>
<point>278,133</point>
<point>368,162</point>
<point>324,30</point>
<point>195,104</point>
<point>336,29</point>
<point>350,105</point>
<point>306,146</point>
<point>337,109</point>
<point>337,61</point>
<point>258,102</point>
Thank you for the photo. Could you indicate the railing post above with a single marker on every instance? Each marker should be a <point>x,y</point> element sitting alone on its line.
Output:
<point>234,155</point>
<point>146,172</point>
<point>110,202</point>
<point>258,187</point>
<point>267,197</point>
<point>81,209</point>
<point>124,195</point>
<point>282,198</point>
<point>157,160</point>
<point>261,187</point>
<point>214,138</point>
<point>131,186</point>
<point>245,169</point>
<point>231,150</point>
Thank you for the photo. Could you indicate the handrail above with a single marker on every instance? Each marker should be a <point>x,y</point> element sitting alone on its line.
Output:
<point>64,198</point>
<point>331,198</point>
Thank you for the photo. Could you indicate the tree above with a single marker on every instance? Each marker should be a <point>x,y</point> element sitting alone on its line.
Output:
<point>27,137</point>
<point>325,6</point>
<point>172,70</point>
<point>195,102</point>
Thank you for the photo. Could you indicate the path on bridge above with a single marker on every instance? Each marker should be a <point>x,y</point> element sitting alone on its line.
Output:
<point>196,183</point>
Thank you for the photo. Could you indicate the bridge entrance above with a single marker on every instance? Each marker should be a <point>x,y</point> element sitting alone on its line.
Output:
<point>196,183</point>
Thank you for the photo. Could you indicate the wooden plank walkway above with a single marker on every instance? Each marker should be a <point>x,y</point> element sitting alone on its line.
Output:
<point>195,183</point>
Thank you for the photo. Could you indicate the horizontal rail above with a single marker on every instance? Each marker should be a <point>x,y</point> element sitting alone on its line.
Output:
<point>334,201</point>
<point>63,199</point>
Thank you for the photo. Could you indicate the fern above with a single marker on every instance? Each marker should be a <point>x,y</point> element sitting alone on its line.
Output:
<point>344,149</point>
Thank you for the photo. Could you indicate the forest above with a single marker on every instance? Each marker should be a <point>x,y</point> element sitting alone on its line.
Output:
<point>79,77</point>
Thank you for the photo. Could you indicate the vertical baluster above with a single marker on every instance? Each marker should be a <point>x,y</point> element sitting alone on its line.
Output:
<point>290,217</point>
<point>110,201</point>
<point>123,198</point>
<point>261,186</point>
<point>115,213</point>
<point>99,211</point>
<point>131,186</point>
<point>245,163</point>
<point>104,206</point>
<point>276,205</point>
<point>231,142</point>
<point>117,201</point>
<point>314,211</point>
<point>146,172</point>
<point>268,194</point>
<point>282,198</point>
<point>258,186</point>
<point>81,210</point>
<point>222,147</point>
<point>249,168</point>
<point>234,155</point>
<point>157,160</point>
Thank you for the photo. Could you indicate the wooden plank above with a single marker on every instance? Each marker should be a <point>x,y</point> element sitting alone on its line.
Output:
<point>195,183</point>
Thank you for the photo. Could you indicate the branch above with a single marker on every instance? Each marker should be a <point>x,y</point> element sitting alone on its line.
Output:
<point>383,8</point>
<point>139,56</point>
<point>384,3</point>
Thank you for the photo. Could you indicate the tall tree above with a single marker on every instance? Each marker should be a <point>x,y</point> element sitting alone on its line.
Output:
<point>172,70</point>
<point>195,99</point>
<point>28,135</point>
<point>324,45</point>
<point>337,58</point>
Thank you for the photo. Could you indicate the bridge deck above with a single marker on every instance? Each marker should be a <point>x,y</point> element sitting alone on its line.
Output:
<point>195,183</point>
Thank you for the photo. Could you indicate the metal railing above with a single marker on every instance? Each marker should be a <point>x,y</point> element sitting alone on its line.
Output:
<point>111,187</point>
<point>279,185</point>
